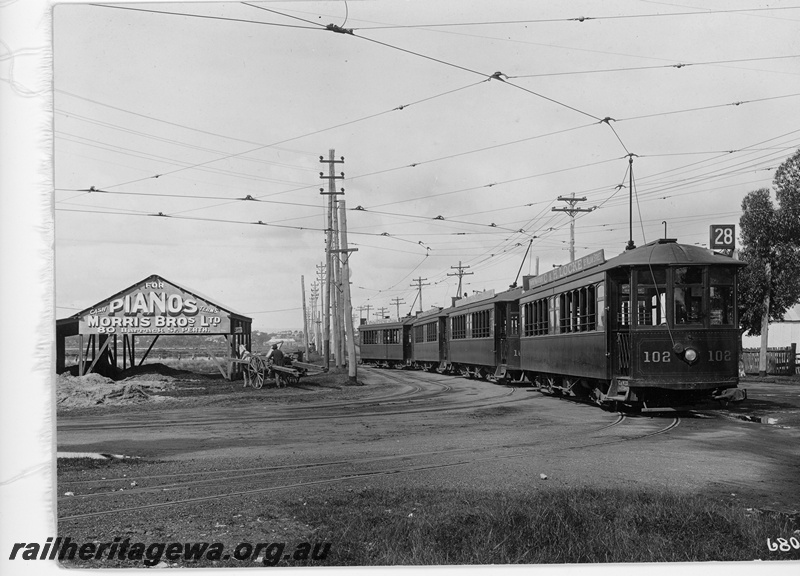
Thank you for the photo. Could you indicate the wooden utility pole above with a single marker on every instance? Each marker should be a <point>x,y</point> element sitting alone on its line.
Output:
<point>571,210</point>
<point>336,296</point>
<point>381,313</point>
<point>366,307</point>
<point>762,354</point>
<point>397,302</point>
<point>348,306</point>
<point>460,273</point>
<point>329,287</point>
<point>305,315</point>
<point>419,286</point>
<point>314,298</point>
<point>322,298</point>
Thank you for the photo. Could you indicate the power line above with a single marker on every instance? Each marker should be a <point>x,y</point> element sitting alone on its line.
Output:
<point>274,144</point>
<point>654,67</point>
<point>495,75</point>
<point>578,19</point>
<point>204,16</point>
<point>224,221</point>
<point>709,107</point>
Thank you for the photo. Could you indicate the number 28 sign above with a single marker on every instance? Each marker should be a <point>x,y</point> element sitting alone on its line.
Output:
<point>723,237</point>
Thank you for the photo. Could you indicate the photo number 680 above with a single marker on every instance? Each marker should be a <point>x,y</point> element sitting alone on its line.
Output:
<point>783,544</point>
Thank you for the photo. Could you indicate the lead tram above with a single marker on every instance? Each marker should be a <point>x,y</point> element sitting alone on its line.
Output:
<point>673,334</point>
<point>654,327</point>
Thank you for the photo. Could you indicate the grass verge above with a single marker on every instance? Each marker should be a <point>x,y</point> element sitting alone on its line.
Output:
<point>419,527</point>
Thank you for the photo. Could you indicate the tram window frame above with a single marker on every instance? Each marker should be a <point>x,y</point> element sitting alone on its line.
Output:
<point>652,296</point>
<point>513,324</point>
<point>690,315</point>
<point>536,316</point>
<point>600,303</point>
<point>527,318</point>
<point>541,324</point>
<point>722,280</point>
<point>624,306</point>
<point>391,336</point>
<point>481,324</point>
<point>370,337</point>
<point>431,331</point>
<point>458,327</point>
<point>577,310</point>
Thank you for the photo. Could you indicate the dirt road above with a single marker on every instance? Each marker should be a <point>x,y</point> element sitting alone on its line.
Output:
<point>414,427</point>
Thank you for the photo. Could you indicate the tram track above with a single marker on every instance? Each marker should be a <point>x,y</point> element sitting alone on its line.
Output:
<point>296,413</point>
<point>231,478</point>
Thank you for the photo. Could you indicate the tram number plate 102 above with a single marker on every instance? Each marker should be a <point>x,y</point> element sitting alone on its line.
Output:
<point>657,356</point>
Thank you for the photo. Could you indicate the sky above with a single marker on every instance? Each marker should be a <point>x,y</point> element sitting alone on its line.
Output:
<point>461,123</point>
<point>245,101</point>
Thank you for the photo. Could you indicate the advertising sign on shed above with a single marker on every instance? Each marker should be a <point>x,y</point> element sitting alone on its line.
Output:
<point>155,306</point>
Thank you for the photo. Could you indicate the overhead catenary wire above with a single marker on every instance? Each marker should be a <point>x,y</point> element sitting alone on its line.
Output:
<point>203,16</point>
<point>578,19</point>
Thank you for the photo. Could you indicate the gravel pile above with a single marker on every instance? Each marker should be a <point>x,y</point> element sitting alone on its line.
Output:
<point>93,389</point>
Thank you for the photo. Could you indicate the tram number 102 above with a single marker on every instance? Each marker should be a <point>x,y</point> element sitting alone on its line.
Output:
<point>657,356</point>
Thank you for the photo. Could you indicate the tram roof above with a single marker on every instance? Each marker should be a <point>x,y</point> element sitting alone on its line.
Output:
<point>667,252</point>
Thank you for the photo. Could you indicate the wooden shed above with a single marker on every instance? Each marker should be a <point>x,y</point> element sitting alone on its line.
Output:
<point>154,307</point>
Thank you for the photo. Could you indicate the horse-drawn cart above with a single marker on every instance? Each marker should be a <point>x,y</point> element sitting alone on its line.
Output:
<point>257,369</point>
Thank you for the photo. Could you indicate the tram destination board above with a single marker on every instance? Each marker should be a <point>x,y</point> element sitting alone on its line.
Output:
<point>722,237</point>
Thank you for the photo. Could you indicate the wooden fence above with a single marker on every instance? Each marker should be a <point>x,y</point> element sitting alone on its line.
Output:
<point>780,361</point>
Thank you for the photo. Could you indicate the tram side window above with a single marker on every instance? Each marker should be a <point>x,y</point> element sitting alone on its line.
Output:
<point>481,327</point>
<point>391,336</point>
<point>541,322</point>
<point>527,319</point>
<point>600,305</point>
<point>459,327</point>
<point>419,334</point>
<point>513,324</point>
<point>565,312</point>
<point>624,305</point>
<point>688,295</point>
<point>588,308</point>
<point>577,310</point>
<point>537,317</point>
<point>651,296</point>
<point>721,306</point>
<point>370,337</point>
<point>430,332</point>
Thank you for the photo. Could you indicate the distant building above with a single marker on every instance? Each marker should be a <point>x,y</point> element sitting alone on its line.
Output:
<point>781,334</point>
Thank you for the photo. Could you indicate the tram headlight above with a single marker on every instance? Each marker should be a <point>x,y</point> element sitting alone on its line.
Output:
<point>688,355</point>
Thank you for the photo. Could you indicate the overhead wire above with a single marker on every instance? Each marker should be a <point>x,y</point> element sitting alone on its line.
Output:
<point>654,67</point>
<point>579,19</point>
<point>202,16</point>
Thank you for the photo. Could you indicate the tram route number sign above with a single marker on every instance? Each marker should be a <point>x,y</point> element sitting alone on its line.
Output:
<point>722,237</point>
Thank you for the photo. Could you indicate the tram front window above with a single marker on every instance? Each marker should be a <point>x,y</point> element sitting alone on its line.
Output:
<point>721,306</point>
<point>688,295</point>
<point>651,296</point>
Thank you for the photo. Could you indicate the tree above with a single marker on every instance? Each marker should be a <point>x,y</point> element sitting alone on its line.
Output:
<point>770,284</point>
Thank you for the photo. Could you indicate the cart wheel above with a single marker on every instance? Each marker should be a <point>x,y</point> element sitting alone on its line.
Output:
<point>255,372</point>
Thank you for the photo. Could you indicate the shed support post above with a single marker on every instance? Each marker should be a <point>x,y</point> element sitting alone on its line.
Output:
<point>81,359</point>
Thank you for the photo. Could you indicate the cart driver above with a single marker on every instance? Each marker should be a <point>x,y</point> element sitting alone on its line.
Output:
<point>276,354</point>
